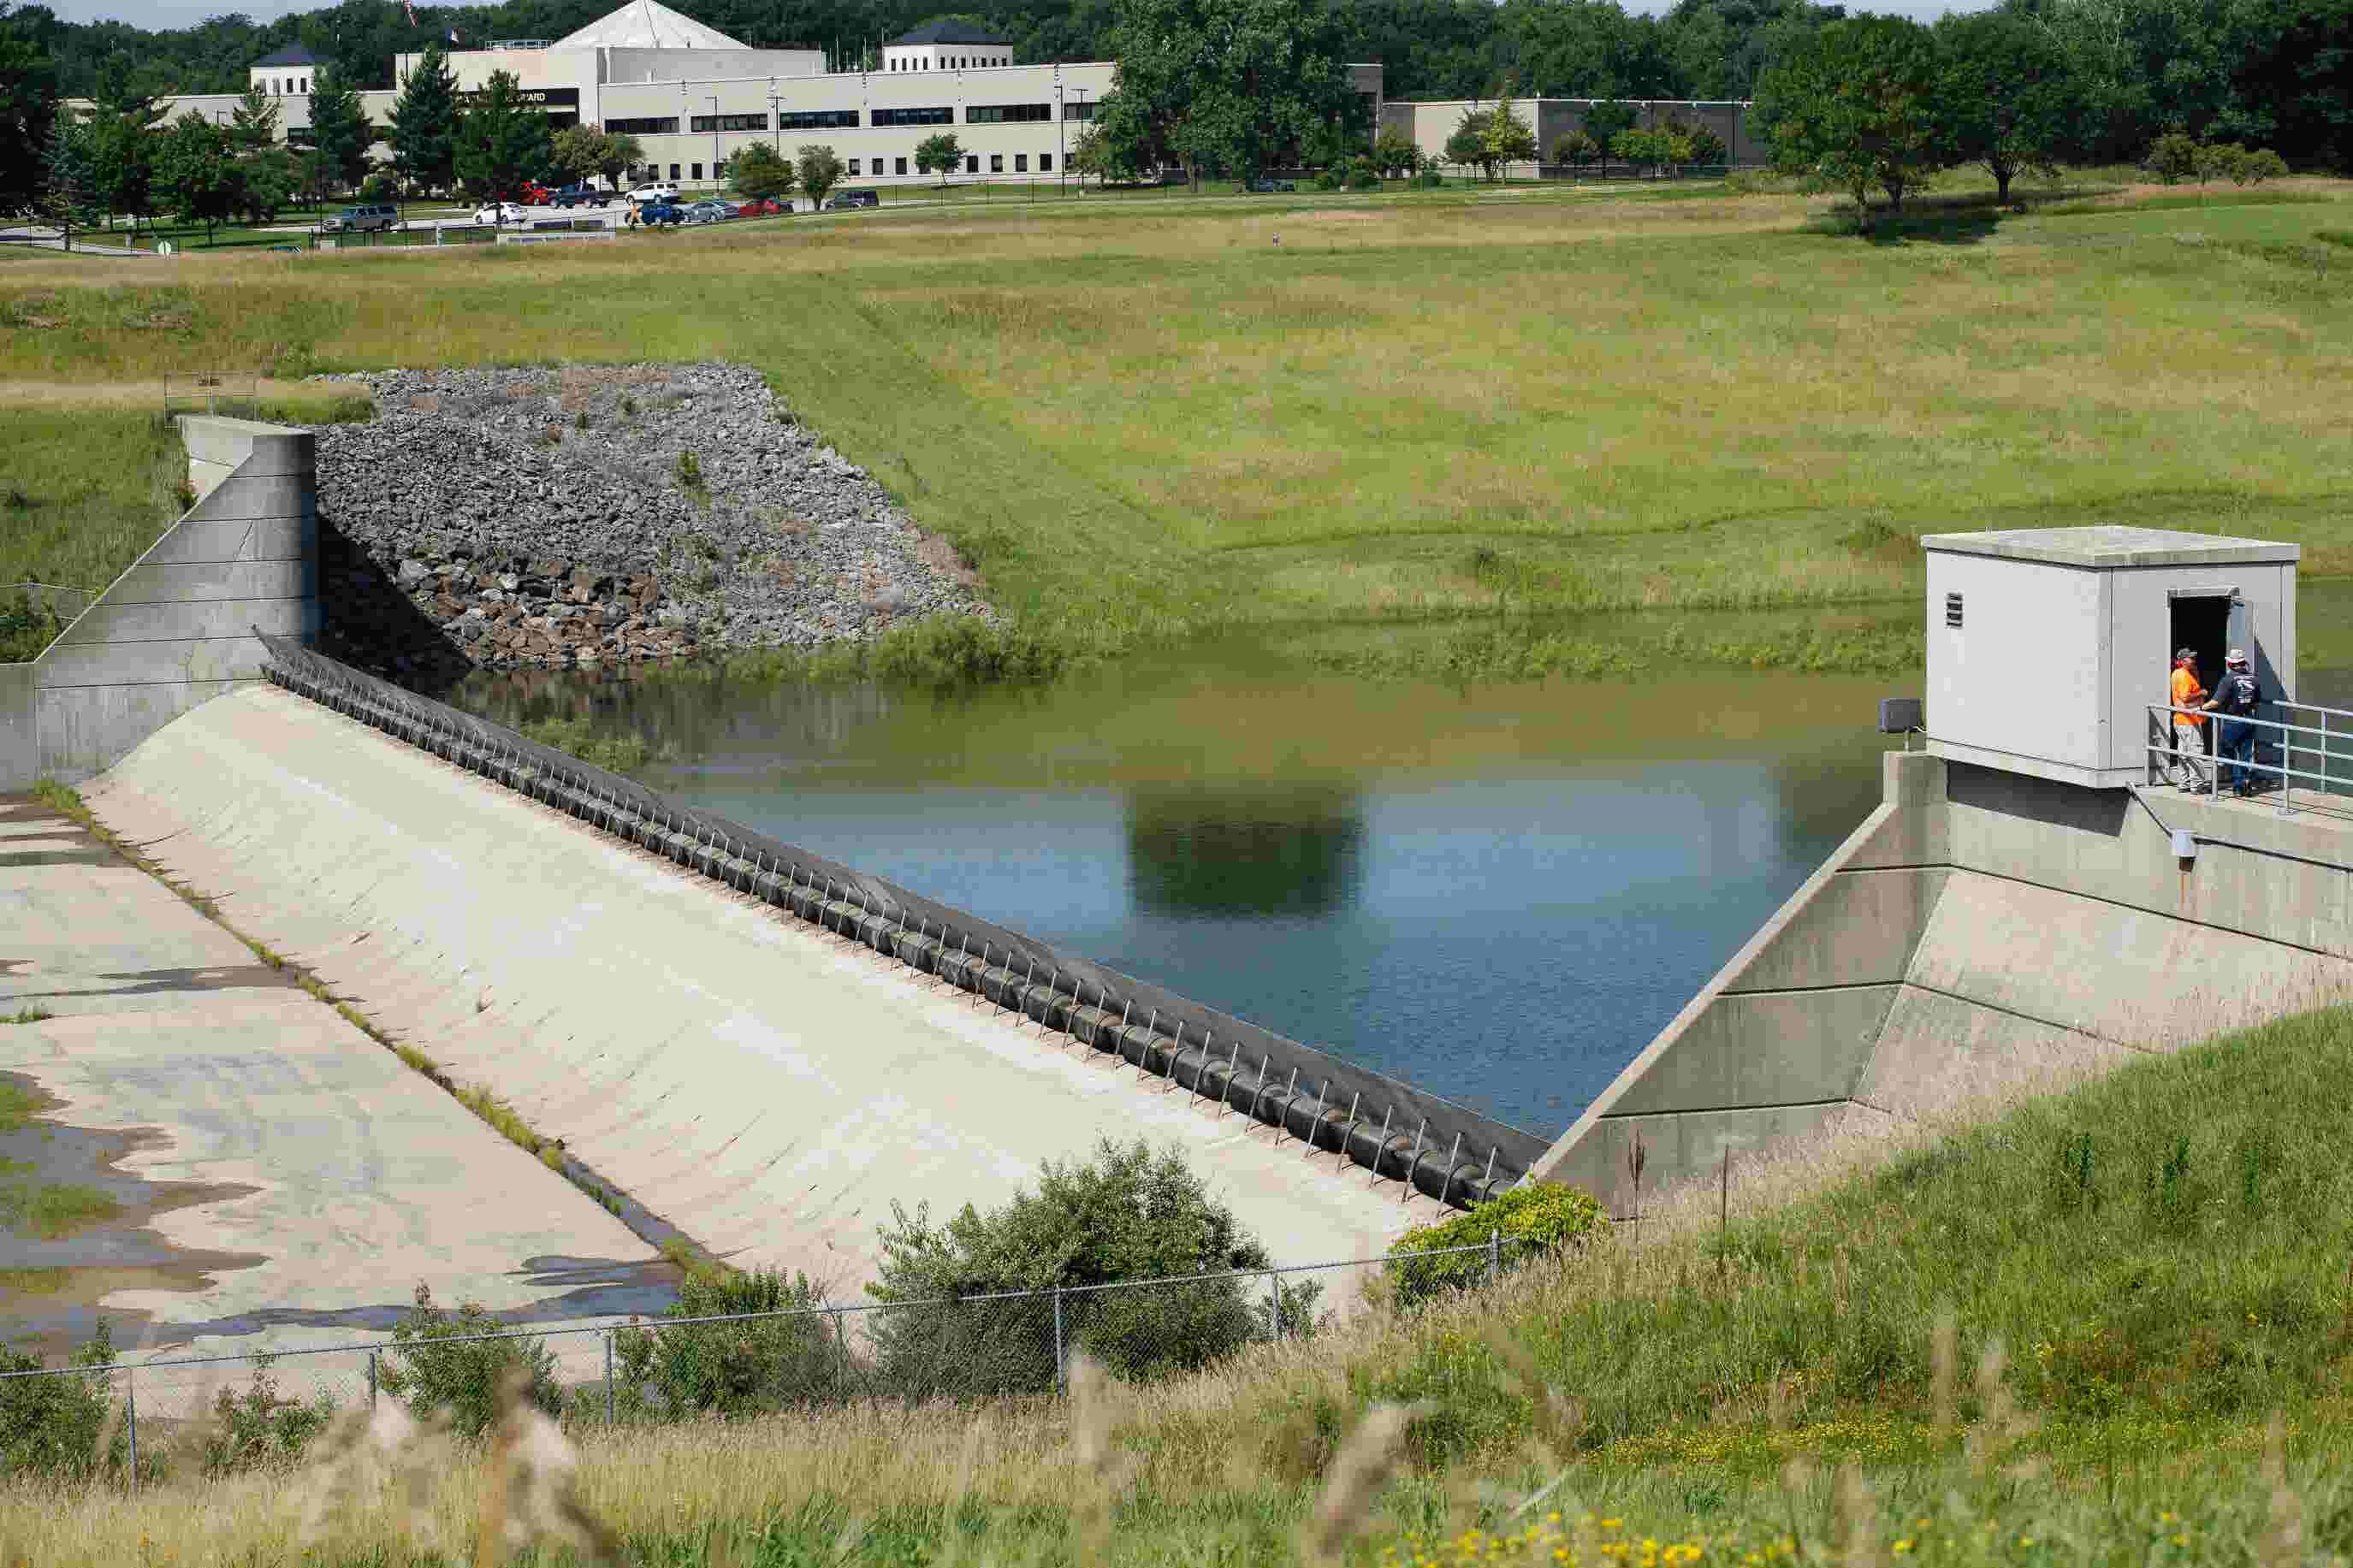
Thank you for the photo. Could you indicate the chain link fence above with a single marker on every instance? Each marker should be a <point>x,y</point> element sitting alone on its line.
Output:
<point>140,1419</point>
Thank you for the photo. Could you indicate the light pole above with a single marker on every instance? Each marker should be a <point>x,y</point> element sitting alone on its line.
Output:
<point>1061,136</point>
<point>775,116</point>
<point>714,142</point>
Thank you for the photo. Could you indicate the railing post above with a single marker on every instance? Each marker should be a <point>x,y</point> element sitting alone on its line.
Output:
<point>608,1377</point>
<point>1062,1378</point>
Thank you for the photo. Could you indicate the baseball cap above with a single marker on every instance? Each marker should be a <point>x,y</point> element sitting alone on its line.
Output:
<point>2181,654</point>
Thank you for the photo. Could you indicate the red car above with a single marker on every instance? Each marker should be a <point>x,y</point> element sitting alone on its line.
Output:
<point>763,208</point>
<point>534,194</point>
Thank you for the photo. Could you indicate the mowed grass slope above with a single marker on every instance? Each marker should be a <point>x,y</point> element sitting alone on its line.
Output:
<point>2138,1276</point>
<point>1169,420</point>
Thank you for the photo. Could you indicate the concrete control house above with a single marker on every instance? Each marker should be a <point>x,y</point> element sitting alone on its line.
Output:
<point>693,96</point>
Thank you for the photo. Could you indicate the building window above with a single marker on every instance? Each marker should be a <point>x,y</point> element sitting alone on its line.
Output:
<point>1082,110</point>
<point>900,165</point>
<point>817,120</point>
<point>1007,113</point>
<point>673,171</point>
<point>914,117</point>
<point>997,162</point>
<point>698,173</point>
<point>656,125</point>
<point>1045,162</point>
<point>709,122</point>
<point>972,163</point>
<point>1020,162</point>
<point>853,166</point>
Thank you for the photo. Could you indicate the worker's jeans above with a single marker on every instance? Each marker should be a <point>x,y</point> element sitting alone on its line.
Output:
<point>2237,745</point>
<point>2190,771</point>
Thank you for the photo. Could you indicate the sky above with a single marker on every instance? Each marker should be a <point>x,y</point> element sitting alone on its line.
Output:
<point>158,13</point>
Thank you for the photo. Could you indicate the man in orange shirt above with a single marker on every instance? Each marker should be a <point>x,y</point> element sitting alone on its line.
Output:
<point>2188,729</point>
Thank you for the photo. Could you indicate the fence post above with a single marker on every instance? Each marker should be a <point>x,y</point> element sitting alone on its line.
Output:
<point>131,1405</point>
<point>608,1377</point>
<point>1061,1379</point>
<point>1494,1254</point>
<point>372,1380</point>
<point>1274,1295</point>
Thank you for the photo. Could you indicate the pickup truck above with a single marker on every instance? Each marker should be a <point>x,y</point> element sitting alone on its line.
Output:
<point>581,196</point>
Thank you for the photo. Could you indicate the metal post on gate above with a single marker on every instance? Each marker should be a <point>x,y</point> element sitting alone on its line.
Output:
<point>1061,1375</point>
<point>1494,1254</point>
<point>1274,1304</point>
<point>372,1380</point>
<point>608,1377</point>
<point>130,1420</point>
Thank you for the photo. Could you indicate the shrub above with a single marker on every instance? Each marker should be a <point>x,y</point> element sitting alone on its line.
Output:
<point>735,1369</point>
<point>260,1426</point>
<point>380,187</point>
<point>1328,179</point>
<point>51,1425</point>
<point>1531,1219</point>
<point>1395,153</point>
<point>2262,163</point>
<point>1125,1214</point>
<point>956,652</point>
<point>619,753</point>
<point>1361,174</point>
<point>2174,157</point>
<point>1428,180</point>
<point>26,628</point>
<point>434,1364</point>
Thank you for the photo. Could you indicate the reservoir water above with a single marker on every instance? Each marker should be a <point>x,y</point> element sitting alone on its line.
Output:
<point>1498,893</point>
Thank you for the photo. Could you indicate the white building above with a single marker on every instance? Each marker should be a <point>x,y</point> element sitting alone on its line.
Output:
<point>693,96</point>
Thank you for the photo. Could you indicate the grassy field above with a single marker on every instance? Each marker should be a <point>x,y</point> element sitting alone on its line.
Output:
<point>2059,1336</point>
<point>1327,411</point>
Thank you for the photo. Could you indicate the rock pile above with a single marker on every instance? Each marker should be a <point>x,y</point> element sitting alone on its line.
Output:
<point>598,516</point>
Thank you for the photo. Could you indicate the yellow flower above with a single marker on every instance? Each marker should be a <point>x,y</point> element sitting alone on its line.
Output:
<point>1903,1545</point>
<point>1612,1523</point>
<point>2181,1540</point>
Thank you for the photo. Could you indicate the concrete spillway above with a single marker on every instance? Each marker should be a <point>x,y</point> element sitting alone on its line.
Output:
<point>769,1089</point>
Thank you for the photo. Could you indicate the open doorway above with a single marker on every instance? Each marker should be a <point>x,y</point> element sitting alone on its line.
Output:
<point>2201,622</point>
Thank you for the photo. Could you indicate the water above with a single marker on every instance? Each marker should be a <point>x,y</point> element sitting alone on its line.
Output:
<point>1498,894</point>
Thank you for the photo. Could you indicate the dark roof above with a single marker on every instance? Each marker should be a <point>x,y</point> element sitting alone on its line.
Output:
<point>296,56</point>
<point>952,32</point>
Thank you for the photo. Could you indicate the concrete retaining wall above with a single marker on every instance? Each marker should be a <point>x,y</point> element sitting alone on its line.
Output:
<point>177,628</point>
<point>1982,931</point>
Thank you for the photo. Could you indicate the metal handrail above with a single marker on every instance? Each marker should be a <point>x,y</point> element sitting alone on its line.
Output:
<point>2164,750</point>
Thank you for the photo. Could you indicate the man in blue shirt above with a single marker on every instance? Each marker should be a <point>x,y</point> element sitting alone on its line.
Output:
<point>2235,697</point>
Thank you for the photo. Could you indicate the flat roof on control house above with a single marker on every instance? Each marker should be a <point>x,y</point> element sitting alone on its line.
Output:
<point>2107,547</point>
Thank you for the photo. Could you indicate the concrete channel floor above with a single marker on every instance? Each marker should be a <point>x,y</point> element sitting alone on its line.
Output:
<point>770,1090</point>
<point>311,1180</point>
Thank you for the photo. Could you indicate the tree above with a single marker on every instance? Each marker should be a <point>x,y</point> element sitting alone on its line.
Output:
<point>2007,97</point>
<point>1124,1214</point>
<point>1227,86</point>
<point>1577,150</point>
<point>266,181</point>
<point>1643,149</point>
<point>2253,168</point>
<point>502,140</point>
<point>1509,140</point>
<point>819,170</point>
<point>577,152</point>
<point>2174,157</point>
<point>196,172</point>
<point>1395,153</point>
<point>619,155</point>
<point>1604,119</point>
<point>69,189</point>
<point>432,1375</point>
<point>939,154</point>
<point>28,100</point>
<point>1856,107</point>
<point>122,142</point>
<point>340,132</point>
<point>254,121</point>
<point>761,173</point>
<point>423,123</point>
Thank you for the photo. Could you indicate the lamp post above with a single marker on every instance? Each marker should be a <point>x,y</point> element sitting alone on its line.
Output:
<point>714,142</point>
<point>1061,136</point>
<point>775,116</point>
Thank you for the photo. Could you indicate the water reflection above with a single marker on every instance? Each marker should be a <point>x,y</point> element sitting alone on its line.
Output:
<point>1498,893</point>
<point>1244,852</point>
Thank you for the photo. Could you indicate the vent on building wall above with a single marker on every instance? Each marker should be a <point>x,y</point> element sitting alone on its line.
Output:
<point>1953,610</point>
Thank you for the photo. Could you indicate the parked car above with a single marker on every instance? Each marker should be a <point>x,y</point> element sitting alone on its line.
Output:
<point>665,213</point>
<point>763,206</point>
<point>581,196</point>
<point>1266,186</point>
<point>534,194</point>
<point>708,211</point>
<point>358,220</point>
<point>842,201</point>
<point>498,212</point>
<point>657,191</point>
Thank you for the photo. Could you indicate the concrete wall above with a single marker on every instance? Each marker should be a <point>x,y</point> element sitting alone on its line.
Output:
<point>176,628</point>
<point>1984,932</point>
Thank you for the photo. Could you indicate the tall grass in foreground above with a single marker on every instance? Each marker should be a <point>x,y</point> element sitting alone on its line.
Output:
<point>2061,1334</point>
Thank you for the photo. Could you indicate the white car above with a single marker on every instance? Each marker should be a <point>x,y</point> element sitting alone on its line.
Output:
<point>498,213</point>
<point>660,190</point>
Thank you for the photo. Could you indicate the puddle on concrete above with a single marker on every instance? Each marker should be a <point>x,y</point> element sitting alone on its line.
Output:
<point>50,1287</point>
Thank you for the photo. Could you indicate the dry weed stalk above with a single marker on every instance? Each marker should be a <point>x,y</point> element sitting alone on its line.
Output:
<point>1358,1472</point>
<point>1107,1472</point>
<point>363,1451</point>
<point>1858,1538</point>
<point>531,1493</point>
<point>1944,1363</point>
<point>2001,1425</point>
<point>2282,1543</point>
